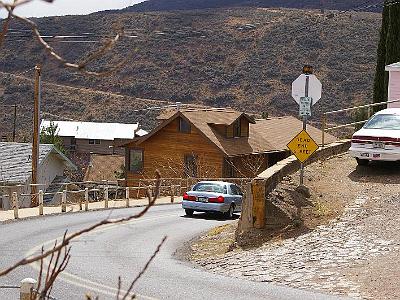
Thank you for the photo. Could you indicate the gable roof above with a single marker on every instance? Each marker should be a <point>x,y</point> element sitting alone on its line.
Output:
<point>16,161</point>
<point>281,130</point>
<point>266,135</point>
<point>95,131</point>
<point>202,119</point>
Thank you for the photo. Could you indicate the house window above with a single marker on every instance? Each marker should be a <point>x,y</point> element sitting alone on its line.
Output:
<point>135,160</point>
<point>184,126</point>
<point>228,169</point>
<point>237,129</point>
<point>94,142</point>
<point>190,165</point>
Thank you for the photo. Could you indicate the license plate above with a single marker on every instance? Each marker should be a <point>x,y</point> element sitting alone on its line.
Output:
<point>376,155</point>
<point>202,199</point>
<point>379,145</point>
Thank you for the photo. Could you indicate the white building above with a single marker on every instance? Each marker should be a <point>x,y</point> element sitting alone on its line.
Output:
<point>394,84</point>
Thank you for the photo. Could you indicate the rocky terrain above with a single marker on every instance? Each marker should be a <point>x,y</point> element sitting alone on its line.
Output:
<point>355,253</point>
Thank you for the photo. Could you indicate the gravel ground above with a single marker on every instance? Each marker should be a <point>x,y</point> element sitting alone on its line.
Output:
<point>352,243</point>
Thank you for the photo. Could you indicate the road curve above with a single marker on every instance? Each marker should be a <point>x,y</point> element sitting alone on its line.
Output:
<point>98,258</point>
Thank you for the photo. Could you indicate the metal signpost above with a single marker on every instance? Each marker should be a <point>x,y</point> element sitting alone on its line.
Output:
<point>306,91</point>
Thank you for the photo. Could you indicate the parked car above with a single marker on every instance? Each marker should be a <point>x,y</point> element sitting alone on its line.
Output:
<point>213,196</point>
<point>378,139</point>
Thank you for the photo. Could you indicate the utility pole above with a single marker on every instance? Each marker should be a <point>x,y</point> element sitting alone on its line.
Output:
<point>35,144</point>
<point>14,123</point>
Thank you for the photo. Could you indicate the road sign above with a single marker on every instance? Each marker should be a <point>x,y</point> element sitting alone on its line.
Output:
<point>314,88</point>
<point>305,106</point>
<point>302,146</point>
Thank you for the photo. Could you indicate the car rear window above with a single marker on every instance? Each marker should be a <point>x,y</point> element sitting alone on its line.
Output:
<point>390,122</point>
<point>210,187</point>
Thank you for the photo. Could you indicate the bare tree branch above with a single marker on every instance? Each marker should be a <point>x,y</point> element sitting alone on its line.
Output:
<point>81,67</point>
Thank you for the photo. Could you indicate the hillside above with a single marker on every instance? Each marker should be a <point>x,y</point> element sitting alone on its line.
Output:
<point>244,58</point>
<point>166,5</point>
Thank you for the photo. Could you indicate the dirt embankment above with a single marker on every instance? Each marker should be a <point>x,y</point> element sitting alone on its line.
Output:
<point>347,243</point>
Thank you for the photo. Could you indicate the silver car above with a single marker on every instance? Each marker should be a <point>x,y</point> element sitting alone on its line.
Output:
<point>213,196</point>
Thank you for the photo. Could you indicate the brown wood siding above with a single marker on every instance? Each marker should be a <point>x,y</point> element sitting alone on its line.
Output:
<point>229,131</point>
<point>221,129</point>
<point>166,151</point>
<point>244,127</point>
<point>83,146</point>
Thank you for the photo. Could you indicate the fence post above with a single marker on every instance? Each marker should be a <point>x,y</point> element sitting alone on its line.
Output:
<point>258,193</point>
<point>323,129</point>
<point>15,204</point>
<point>106,197</point>
<point>26,289</point>
<point>172,193</point>
<point>64,201</point>
<point>86,199</point>
<point>40,203</point>
<point>127,196</point>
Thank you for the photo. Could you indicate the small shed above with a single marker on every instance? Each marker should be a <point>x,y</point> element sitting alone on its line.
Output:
<point>394,84</point>
<point>16,169</point>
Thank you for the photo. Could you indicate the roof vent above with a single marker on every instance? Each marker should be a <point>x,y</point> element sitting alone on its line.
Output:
<point>178,105</point>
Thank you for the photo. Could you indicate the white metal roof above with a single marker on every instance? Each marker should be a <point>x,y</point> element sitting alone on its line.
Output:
<point>94,131</point>
<point>393,67</point>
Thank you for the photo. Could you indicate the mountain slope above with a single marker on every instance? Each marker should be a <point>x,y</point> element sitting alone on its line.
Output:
<point>244,58</point>
<point>166,5</point>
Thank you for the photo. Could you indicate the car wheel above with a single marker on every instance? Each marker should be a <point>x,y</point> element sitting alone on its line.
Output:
<point>189,212</point>
<point>362,162</point>
<point>229,213</point>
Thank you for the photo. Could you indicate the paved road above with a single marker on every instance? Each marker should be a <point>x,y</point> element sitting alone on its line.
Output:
<point>100,257</point>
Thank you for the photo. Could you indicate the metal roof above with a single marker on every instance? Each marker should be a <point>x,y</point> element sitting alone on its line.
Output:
<point>93,130</point>
<point>393,67</point>
<point>16,161</point>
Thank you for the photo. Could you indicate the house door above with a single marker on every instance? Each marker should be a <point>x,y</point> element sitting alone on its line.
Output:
<point>190,167</point>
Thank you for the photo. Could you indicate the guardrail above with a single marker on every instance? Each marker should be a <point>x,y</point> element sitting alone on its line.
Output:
<point>370,112</point>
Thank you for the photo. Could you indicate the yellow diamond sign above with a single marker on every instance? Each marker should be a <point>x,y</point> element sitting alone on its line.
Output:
<point>303,146</point>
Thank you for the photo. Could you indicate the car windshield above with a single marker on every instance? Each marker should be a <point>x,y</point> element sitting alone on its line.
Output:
<point>391,122</point>
<point>210,187</point>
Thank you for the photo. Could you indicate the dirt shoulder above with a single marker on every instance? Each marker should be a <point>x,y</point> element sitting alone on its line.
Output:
<point>347,244</point>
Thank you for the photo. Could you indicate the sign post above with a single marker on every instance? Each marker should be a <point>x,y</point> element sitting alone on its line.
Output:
<point>306,91</point>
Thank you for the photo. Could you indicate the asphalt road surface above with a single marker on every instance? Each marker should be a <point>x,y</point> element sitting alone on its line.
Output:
<point>98,258</point>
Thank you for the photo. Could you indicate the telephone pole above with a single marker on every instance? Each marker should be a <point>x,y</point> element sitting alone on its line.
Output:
<point>14,122</point>
<point>35,144</point>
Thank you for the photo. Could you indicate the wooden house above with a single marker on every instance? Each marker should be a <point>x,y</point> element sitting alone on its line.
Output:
<point>213,143</point>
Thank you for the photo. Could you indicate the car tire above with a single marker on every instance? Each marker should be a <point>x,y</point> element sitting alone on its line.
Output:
<point>229,214</point>
<point>189,212</point>
<point>362,162</point>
